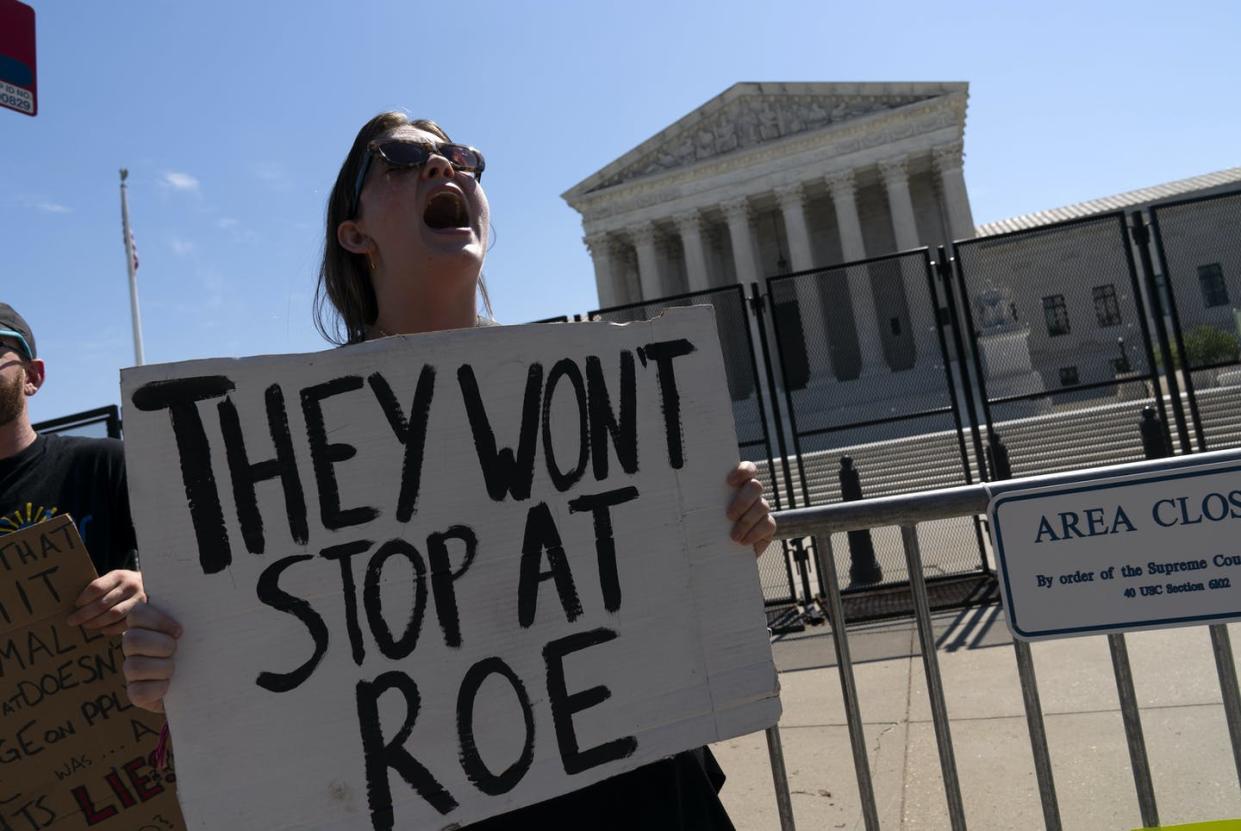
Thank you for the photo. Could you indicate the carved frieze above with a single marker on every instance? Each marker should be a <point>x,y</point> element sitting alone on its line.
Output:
<point>753,120</point>
<point>600,204</point>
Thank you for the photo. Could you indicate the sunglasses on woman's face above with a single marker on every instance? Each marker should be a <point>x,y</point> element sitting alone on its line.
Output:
<point>404,155</point>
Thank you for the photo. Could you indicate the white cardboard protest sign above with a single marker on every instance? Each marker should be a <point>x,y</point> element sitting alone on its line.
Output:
<point>426,580</point>
<point>1150,550</point>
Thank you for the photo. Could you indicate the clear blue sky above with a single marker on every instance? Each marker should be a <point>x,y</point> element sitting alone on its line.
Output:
<point>233,118</point>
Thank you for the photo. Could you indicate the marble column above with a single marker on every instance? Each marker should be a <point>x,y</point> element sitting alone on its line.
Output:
<point>792,199</point>
<point>667,253</point>
<point>690,226</point>
<point>643,237</point>
<point>739,214</point>
<point>923,316</point>
<point>861,298</point>
<point>950,164</point>
<point>736,357</point>
<point>607,276</point>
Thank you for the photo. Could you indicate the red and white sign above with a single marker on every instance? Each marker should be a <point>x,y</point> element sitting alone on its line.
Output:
<point>18,79</point>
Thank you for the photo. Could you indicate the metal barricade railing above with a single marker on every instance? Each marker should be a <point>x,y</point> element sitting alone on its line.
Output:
<point>98,423</point>
<point>1051,353</point>
<point>909,510</point>
<point>1195,243</point>
<point>898,396</point>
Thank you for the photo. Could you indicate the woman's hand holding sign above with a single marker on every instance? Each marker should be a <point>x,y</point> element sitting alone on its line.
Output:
<point>149,644</point>
<point>749,511</point>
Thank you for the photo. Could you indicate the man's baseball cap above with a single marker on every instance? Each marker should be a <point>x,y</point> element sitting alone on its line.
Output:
<point>13,325</point>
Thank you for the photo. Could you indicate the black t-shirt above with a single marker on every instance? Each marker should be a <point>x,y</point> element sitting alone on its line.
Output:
<point>82,477</point>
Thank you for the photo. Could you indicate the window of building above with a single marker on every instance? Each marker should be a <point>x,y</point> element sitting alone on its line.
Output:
<point>1214,289</point>
<point>1056,314</point>
<point>1106,309</point>
<point>1068,376</point>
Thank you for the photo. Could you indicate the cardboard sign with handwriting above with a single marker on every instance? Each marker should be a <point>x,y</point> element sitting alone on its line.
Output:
<point>425,580</point>
<point>74,753</point>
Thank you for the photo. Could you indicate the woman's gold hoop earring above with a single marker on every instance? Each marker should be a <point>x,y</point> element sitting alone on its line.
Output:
<point>370,261</point>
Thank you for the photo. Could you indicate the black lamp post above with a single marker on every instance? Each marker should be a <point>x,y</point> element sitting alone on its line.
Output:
<point>782,264</point>
<point>1122,365</point>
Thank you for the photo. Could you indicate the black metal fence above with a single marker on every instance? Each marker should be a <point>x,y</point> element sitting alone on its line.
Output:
<point>1009,355</point>
<point>1062,354</point>
<point>104,422</point>
<point>874,407</point>
<point>1197,244</point>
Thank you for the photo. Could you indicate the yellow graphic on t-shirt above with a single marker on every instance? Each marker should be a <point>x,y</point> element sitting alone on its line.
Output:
<point>19,519</point>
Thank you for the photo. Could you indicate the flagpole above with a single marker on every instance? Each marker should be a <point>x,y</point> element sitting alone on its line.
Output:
<point>135,315</point>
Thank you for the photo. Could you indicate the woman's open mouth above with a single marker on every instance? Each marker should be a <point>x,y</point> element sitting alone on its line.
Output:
<point>446,211</point>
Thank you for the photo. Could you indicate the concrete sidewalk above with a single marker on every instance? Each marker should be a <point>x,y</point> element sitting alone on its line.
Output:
<point>1177,687</point>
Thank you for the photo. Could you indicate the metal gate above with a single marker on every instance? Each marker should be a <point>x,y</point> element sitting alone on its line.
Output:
<point>750,407</point>
<point>875,409</point>
<point>1060,387</point>
<point>104,422</point>
<point>1197,271</point>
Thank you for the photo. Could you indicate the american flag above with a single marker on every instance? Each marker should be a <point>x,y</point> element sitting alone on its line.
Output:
<point>127,233</point>
<point>133,248</point>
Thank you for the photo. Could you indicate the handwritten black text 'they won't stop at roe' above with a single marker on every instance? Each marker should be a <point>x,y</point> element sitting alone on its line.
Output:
<point>604,413</point>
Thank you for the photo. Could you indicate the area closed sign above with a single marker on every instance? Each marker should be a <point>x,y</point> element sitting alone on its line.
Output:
<point>1152,550</point>
<point>431,579</point>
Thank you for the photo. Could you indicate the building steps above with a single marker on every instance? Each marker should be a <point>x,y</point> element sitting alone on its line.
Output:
<point>1065,440</point>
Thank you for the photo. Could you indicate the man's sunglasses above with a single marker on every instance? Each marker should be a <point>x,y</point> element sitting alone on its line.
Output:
<point>409,154</point>
<point>21,342</point>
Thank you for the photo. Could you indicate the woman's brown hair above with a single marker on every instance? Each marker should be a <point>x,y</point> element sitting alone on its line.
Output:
<point>345,302</point>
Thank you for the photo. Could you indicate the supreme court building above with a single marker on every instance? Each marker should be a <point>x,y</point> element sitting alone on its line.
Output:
<point>767,179</point>
<point>770,179</point>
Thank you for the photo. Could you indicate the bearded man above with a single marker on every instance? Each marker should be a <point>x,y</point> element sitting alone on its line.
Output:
<point>42,476</point>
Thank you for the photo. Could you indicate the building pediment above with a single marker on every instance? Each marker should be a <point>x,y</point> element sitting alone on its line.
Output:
<point>751,114</point>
